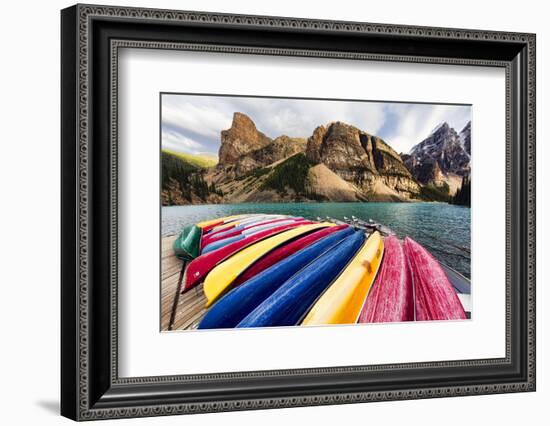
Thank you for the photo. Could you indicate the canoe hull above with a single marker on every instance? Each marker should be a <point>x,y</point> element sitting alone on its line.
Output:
<point>341,303</point>
<point>435,297</point>
<point>187,245</point>
<point>391,297</point>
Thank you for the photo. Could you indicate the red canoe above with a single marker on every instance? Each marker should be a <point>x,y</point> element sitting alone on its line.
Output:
<point>391,296</point>
<point>435,297</point>
<point>284,251</point>
<point>207,239</point>
<point>199,267</point>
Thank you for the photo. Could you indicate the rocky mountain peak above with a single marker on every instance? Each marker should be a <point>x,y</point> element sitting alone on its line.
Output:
<point>242,122</point>
<point>444,146</point>
<point>441,127</point>
<point>438,137</point>
<point>359,157</point>
<point>465,137</point>
<point>241,138</point>
<point>278,149</point>
<point>338,145</point>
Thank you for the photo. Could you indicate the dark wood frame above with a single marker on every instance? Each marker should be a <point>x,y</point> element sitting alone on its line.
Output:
<point>91,37</point>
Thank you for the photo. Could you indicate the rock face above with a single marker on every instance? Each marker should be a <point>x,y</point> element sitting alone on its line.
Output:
<point>360,158</point>
<point>339,147</point>
<point>328,186</point>
<point>425,172</point>
<point>240,139</point>
<point>280,148</point>
<point>465,137</point>
<point>446,148</point>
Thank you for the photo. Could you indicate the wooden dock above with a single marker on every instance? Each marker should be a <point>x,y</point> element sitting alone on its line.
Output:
<point>178,311</point>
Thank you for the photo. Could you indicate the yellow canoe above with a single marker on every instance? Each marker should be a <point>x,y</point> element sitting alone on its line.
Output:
<point>342,301</point>
<point>222,219</point>
<point>222,276</point>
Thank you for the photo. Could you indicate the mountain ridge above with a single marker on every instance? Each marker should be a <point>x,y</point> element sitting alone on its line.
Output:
<point>337,162</point>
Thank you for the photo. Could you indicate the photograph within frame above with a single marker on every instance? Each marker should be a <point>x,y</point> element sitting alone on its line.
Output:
<point>91,387</point>
<point>306,211</point>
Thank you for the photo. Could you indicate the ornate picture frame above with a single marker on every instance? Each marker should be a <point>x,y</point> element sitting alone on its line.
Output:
<point>91,37</point>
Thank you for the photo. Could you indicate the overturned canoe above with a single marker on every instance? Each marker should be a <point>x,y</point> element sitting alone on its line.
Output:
<point>341,303</point>
<point>391,297</point>
<point>435,298</point>
<point>239,302</point>
<point>288,304</point>
<point>203,264</point>
<point>220,279</point>
<point>187,245</point>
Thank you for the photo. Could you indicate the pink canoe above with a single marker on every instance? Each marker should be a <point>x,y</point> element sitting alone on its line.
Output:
<point>435,297</point>
<point>284,251</point>
<point>391,297</point>
<point>203,264</point>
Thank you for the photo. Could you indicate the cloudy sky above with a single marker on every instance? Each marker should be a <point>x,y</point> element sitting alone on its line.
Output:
<point>192,123</point>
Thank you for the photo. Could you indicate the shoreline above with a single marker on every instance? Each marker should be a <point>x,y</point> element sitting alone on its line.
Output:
<point>315,202</point>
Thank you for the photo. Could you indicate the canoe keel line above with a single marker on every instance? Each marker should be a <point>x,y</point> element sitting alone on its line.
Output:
<point>262,270</point>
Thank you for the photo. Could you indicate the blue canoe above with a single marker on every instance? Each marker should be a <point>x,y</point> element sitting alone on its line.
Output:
<point>292,300</point>
<point>217,244</point>
<point>242,300</point>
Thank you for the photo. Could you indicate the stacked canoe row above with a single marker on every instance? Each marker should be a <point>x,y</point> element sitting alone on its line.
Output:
<point>262,270</point>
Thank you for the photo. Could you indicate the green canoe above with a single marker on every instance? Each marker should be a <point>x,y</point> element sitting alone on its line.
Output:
<point>187,245</point>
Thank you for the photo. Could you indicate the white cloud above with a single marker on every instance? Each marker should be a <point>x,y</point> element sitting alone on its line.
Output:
<point>415,122</point>
<point>200,117</point>
<point>177,142</point>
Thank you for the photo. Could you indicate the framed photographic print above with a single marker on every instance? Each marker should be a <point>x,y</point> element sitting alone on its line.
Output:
<point>266,212</point>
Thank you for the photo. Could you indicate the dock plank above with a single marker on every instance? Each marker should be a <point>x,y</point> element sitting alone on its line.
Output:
<point>190,307</point>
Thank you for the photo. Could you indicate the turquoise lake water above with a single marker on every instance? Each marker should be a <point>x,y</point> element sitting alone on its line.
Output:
<point>443,229</point>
